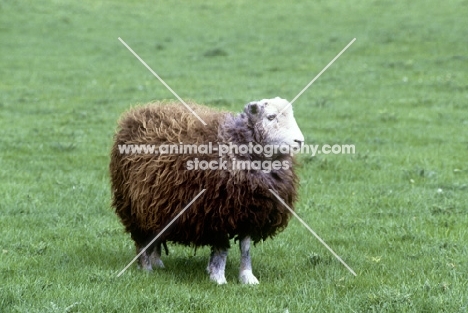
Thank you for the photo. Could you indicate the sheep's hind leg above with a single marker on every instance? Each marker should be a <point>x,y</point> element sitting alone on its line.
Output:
<point>155,256</point>
<point>141,239</point>
<point>245,272</point>
<point>151,256</point>
<point>217,265</point>
<point>144,259</point>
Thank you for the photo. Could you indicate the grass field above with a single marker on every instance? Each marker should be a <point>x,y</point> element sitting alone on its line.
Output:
<point>396,211</point>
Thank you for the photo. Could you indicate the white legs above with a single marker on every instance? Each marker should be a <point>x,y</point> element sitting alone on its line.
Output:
<point>245,272</point>
<point>217,265</point>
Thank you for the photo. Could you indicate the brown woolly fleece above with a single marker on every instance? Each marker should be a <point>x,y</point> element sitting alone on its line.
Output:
<point>149,190</point>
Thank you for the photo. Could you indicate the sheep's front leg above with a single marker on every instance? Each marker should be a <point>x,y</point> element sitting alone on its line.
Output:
<point>245,273</point>
<point>217,265</point>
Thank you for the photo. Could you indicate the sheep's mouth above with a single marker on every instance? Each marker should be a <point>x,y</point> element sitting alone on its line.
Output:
<point>292,148</point>
<point>295,149</point>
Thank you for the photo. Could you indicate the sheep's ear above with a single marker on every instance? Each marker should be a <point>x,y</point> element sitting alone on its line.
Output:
<point>253,108</point>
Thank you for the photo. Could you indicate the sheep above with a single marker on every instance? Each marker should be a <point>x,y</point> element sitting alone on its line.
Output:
<point>150,189</point>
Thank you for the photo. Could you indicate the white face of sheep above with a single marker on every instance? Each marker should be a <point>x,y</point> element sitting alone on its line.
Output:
<point>280,126</point>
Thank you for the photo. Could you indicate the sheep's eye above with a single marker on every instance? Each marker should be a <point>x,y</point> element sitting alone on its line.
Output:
<point>271,117</point>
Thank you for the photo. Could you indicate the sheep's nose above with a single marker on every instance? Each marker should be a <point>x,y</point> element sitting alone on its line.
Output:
<point>300,142</point>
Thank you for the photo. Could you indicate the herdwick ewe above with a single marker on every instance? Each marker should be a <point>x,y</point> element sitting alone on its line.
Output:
<point>150,189</point>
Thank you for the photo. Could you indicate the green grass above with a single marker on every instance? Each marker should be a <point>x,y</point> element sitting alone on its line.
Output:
<point>400,94</point>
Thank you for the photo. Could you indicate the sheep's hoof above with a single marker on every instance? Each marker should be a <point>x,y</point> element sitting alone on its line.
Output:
<point>248,278</point>
<point>156,261</point>
<point>146,268</point>
<point>218,278</point>
<point>145,264</point>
